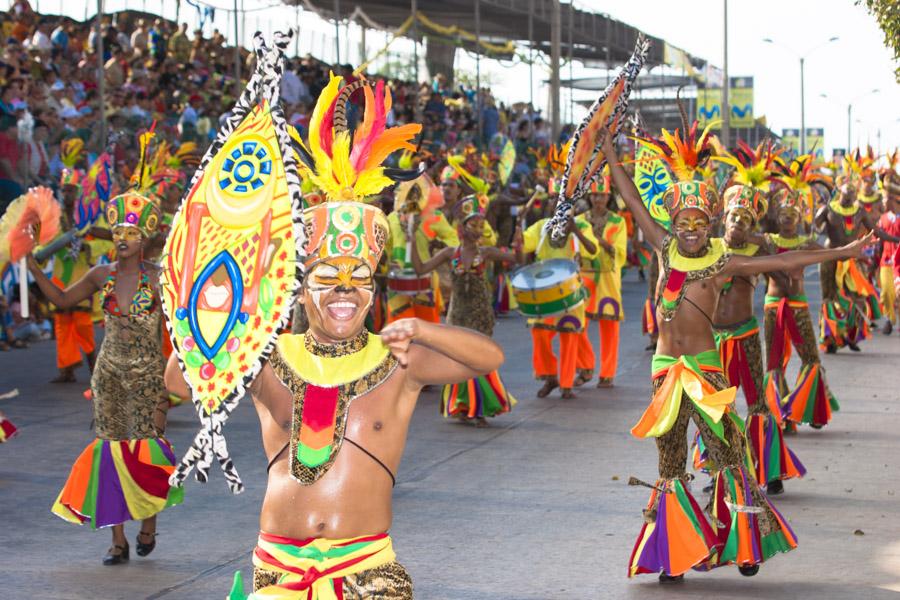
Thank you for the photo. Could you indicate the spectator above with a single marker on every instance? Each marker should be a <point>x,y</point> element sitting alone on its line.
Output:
<point>140,40</point>
<point>179,45</point>
<point>11,176</point>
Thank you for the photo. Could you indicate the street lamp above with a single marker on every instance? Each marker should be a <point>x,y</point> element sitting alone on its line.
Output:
<point>802,58</point>
<point>850,111</point>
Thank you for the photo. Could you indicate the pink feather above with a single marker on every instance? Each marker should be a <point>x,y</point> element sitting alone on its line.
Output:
<point>360,152</point>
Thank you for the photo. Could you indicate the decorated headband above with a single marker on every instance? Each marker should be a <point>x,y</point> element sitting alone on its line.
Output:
<point>133,209</point>
<point>789,199</point>
<point>585,158</point>
<point>448,173</point>
<point>471,206</point>
<point>138,207</point>
<point>229,280</point>
<point>751,199</point>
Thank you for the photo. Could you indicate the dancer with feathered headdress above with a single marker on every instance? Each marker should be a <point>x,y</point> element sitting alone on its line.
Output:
<point>689,382</point>
<point>331,469</point>
<point>736,328</point>
<point>123,473</point>
<point>849,298</point>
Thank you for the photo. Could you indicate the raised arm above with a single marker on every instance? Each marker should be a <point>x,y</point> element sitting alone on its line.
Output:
<point>653,231</point>
<point>76,293</point>
<point>493,253</point>
<point>439,354</point>
<point>754,265</point>
<point>439,258</point>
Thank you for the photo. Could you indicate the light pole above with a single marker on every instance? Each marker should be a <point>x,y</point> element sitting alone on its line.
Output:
<point>850,111</point>
<point>802,58</point>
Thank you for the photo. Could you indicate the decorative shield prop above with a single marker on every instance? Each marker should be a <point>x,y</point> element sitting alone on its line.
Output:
<point>652,179</point>
<point>585,161</point>
<point>229,276</point>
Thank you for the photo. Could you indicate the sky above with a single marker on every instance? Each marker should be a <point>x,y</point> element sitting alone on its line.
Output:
<point>845,70</point>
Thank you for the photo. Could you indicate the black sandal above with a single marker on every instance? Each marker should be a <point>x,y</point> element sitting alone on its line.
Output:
<point>143,549</point>
<point>116,559</point>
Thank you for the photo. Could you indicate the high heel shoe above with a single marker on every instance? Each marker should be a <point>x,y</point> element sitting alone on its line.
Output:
<point>143,549</point>
<point>116,559</point>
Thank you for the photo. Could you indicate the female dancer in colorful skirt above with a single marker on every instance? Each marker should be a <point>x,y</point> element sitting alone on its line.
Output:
<point>123,475</point>
<point>471,306</point>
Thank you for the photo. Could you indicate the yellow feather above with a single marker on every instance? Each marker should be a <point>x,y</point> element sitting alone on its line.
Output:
<point>371,182</point>
<point>344,174</point>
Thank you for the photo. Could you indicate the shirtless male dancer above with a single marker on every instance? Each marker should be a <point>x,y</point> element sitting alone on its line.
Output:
<point>328,504</point>
<point>689,384</point>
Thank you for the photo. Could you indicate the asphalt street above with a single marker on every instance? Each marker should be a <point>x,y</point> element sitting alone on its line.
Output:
<point>534,507</point>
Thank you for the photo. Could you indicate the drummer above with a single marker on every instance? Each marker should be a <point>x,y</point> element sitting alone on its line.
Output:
<point>580,243</point>
<point>408,294</point>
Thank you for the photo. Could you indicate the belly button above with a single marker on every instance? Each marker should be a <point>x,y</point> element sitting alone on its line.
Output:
<point>320,527</point>
<point>378,425</point>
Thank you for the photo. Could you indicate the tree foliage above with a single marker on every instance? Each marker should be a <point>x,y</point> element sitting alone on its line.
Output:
<point>887,14</point>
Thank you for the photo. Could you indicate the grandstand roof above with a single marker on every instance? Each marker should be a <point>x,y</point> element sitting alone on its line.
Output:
<point>596,38</point>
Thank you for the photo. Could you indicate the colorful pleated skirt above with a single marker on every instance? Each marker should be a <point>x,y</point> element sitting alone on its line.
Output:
<point>676,535</point>
<point>483,396</point>
<point>737,507</point>
<point>114,481</point>
<point>7,429</point>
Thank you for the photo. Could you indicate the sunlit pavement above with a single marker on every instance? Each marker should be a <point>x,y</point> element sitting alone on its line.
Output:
<point>534,507</point>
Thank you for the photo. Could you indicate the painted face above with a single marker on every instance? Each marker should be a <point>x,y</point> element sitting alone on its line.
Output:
<point>788,218</point>
<point>473,228</point>
<point>739,221</point>
<point>691,228</point>
<point>337,294</point>
<point>848,191</point>
<point>128,240</point>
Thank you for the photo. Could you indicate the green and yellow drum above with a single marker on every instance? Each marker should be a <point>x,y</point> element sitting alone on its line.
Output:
<point>548,288</point>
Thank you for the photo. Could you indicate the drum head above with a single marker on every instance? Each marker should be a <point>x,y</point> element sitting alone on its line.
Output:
<point>544,274</point>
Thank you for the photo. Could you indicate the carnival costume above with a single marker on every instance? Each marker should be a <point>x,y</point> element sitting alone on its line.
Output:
<point>890,223</point>
<point>471,306</point>
<point>740,348</point>
<point>343,234</point>
<point>602,278</point>
<point>409,295</point>
<point>124,473</point>
<point>73,327</point>
<point>745,528</point>
<point>7,429</point>
<point>845,284</point>
<point>788,323</point>
<point>550,238</point>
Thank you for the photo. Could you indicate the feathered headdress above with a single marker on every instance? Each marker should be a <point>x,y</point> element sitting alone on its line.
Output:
<point>350,168</point>
<point>70,154</point>
<point>585,158</point>
<point>800,176</point>
<point>752,167</point>
<point>137,207</point>
<point>478,185</point>
<point>685,153</point>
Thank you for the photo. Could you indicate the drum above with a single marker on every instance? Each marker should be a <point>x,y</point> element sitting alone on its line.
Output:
<point>408,283</point>
<point>548,288</point>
